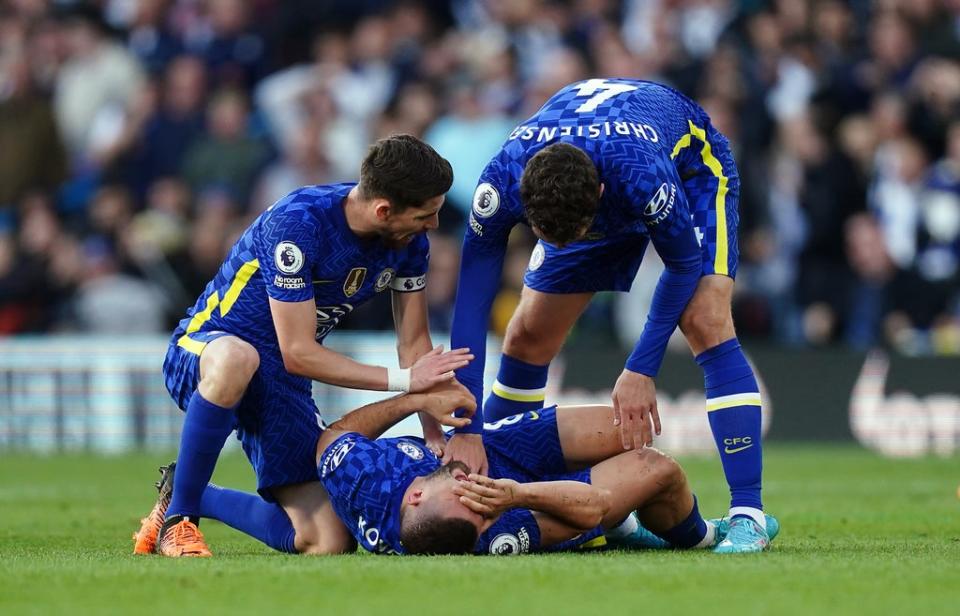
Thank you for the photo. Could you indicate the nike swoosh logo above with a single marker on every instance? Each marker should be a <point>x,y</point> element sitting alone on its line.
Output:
<point>322,281</point>
<point>728,450</point>
<point>534,415</point>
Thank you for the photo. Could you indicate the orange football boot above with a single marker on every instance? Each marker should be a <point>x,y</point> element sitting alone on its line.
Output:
<point>145,539</point>
<point>182,538</point>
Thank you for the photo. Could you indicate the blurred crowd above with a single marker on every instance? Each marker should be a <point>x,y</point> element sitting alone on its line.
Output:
<point>138,138</point>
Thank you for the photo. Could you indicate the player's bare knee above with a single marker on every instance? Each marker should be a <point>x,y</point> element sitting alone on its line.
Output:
<point>664,470</point>
<point>706,324</point>
<point>243,359</point>
<point>226,370</point>
<point>306,541</point>
<point>528,342</point>
<point>670,475</point>
<point>234,360</point>
<point>314,544</point>
<point>686,321</point>
<point>519,341</point>
<point>702,317</point>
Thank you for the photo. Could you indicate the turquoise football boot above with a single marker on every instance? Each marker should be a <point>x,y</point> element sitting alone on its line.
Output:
<point>723,527</point>
<point>744,536</point>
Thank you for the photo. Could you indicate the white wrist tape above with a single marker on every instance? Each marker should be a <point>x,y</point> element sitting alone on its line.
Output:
<point>398,379</point>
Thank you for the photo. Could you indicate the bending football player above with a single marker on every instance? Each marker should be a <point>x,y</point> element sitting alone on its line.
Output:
<point>605,168</point>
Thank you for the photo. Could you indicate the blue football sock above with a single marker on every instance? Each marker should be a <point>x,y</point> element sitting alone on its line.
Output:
<point>249,514</point>
<point>733,408</point>
<point>687,534</point>
<point>519,387</point>
<point>205,429</point>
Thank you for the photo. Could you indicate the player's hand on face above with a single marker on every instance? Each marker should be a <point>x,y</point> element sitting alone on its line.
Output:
<point>442,401</point>
<point>635,409</point>
<point>437,367</point>
<point>468,448</point>
<point>486,496</point>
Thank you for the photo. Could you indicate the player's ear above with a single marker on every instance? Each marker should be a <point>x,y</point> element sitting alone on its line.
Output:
<point>382,209</point>
<point>601,190</point>
<point>415,497</point>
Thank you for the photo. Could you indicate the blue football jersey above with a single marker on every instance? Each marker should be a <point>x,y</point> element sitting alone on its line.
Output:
<point>637,134</point>
<point>366,480</point>
<point>627,127</point>
<point>300,249</point>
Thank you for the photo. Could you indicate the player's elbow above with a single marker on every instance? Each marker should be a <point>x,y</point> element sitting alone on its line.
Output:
<point>292,364</point>
<point>293,360</point>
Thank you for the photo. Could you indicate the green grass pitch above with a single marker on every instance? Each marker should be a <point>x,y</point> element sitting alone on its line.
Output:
<point>861,535</point>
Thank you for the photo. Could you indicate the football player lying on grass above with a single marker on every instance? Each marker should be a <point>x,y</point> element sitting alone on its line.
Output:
<point>558,478</point>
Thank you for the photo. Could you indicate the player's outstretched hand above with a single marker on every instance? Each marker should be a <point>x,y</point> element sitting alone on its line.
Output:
<point>635,409</point>
<point>488,497</point>
<point>443,400</point>
<point>437,367</point>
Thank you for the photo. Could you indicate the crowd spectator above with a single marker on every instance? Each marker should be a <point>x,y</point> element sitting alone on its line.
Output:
<point>35,157</point>
<point>96,85</point>
<point>172,124</point>
<point>225,155</point>
<point>139,138</point>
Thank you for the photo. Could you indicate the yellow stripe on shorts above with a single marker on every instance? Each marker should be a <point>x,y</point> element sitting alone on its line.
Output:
<point>240,280</point>
<point>720,200</point>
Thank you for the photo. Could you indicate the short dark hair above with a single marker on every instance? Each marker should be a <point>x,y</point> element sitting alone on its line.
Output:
<point>560,189</point>
<point>432,533</point>
<point>405,171</point>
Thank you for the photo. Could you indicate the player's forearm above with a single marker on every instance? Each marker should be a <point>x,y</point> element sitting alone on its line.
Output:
<point>676,286</point>
<point>409,351</point>
<point>321,364</point>
<point>374,419</point>
<point>478,284</point>
<point>412,326</point>
<point>580,505</point>
<point>675,240</point>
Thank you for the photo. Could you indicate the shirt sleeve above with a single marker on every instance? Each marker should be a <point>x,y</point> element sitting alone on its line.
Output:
<point>495,211</point>
<point>287,246</point>
<point>666,214</point>
<point>412,273</point>
<point>353,474</point>
<point>515,532</point>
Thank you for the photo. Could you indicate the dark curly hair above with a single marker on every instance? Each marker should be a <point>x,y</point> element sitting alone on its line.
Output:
<point>405,171</point>
<point>560,189</point>
<point>432,533</point>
